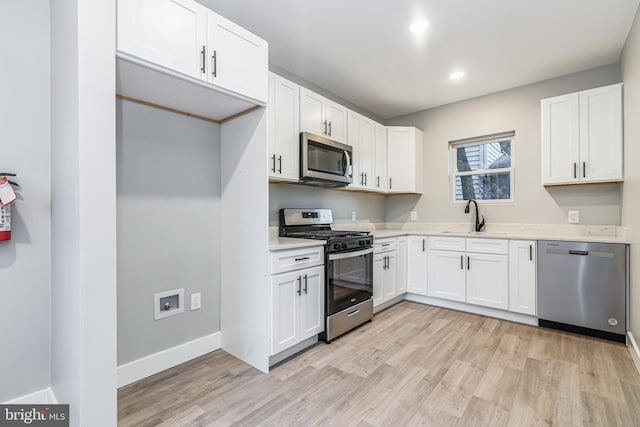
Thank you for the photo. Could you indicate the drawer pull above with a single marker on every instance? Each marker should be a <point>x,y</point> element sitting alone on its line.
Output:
<point>304,258</point>
<point>386,244</point>
<point>353,313</point>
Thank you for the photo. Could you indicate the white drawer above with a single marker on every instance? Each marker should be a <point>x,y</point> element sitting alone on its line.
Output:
<point>295,259</point>
<point>488,246</point>
<point>384,245</point>
<point>447,243</point>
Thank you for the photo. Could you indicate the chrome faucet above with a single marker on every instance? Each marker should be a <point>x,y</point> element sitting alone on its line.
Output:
<point>479,224</point>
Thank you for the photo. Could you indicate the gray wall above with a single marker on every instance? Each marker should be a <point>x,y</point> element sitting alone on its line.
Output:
<point>168,226</point>
<point>630,73</point>
<point>367,206</point>
<point>515,109</point>
<point>25,278</point>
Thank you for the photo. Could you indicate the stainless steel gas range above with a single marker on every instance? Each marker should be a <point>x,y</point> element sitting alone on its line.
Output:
<point>348,268</point>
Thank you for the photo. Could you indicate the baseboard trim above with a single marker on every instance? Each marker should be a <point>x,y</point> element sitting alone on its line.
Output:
<point>475,309</point>
<point>634,350</point>
<point>40,397</point>
<point>165,359</point>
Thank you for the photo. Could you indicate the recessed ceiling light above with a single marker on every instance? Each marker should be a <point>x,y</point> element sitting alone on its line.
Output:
<point>419,27</point>
<point>457,75</point>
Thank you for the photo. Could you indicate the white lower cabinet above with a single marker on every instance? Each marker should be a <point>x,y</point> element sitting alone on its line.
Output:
<point>522,276</point>
<point>401,265</point>
<point>297,304</point>
<point>417,262</point>
<point>488,280</point>
<point>470,276</point>
<point>389,269</point>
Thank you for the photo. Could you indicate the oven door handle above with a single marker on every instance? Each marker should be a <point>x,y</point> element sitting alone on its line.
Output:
<point>333,257</point>
<point>346,164</point>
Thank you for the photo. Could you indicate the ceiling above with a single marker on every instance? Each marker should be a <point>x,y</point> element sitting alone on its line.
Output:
<point>363,51</point>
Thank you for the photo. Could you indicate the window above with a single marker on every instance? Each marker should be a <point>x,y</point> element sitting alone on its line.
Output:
<point>482,168</point>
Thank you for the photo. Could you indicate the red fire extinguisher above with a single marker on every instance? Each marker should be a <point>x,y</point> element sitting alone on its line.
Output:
<point>7,197</point>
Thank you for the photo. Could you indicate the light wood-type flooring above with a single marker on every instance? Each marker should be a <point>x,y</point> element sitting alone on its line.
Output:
<point>413,365</point>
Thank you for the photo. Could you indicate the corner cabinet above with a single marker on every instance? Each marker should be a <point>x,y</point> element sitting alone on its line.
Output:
<point>404,159</point>
<point>284,129</point>
<point>582,137</point>
<point>297,297</point>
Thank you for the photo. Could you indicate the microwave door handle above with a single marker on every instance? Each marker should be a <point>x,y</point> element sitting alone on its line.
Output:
<point>346,161</point>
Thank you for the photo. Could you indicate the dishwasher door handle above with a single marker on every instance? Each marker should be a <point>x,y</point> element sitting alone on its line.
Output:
<point>583,253</point>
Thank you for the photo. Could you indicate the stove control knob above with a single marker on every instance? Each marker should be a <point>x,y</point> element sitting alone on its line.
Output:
<point>344,246</point>
<point>362,242</point>
<point>336,246</point>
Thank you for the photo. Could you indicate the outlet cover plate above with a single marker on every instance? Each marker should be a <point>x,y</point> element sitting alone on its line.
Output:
<point>414,216</point>
<point>196,301</point>
<point>574,217</point>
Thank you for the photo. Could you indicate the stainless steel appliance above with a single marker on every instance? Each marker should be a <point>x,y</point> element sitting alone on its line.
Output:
<point>348,268</point>
<point>583,288</point>
<point>324,162</point>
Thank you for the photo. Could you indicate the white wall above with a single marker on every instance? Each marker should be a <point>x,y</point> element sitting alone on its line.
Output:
<point>630,73</point>
<point>25,279</point>
<point>83,215</point>
<point>168,169</point>
<point>515,109</point>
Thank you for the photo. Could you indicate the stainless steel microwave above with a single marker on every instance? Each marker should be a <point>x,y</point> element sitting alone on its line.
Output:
<point>324,162</point>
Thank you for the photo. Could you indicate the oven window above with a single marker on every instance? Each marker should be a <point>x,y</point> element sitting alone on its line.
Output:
<point>323,158</point>
<point>350,281</point>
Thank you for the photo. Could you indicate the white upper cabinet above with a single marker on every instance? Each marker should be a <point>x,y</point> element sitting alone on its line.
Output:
<point>582,137</point>
<point>361,138</point>
<point>284,129</point>
<point>404,159</point>
<point>320,116</point>
<point>171,33</point>
<point>185,37</point>
<point>380,155</point>
<point>237,59</point>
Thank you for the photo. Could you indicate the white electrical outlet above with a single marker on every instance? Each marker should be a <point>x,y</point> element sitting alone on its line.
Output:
<point>414,216</point>
<point>574,217</point>
<point>353,215</point>
<point>195,301</point>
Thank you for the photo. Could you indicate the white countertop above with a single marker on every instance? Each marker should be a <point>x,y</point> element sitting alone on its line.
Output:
<point>572,233</point>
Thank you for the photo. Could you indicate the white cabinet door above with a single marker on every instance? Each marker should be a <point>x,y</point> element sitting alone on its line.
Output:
<point>312,113</point>
<point>522,276</point>
<point>285,329</point>
<point>447,275</point>
<point>560,139</point>
<point>401,270</point>
<point>380,156</point>
<point>354,121</point>
<point>379,268</point>
<point>171,33</point>
<point>336,117</point>
<point>389,275</point>
<point>417,261</point>
<point>367,148</point>
<point>284,128</point>
<point>488,280</point>
<point>399,149</point>
<point>312,302</point>
<point>237,60</point>
<point>601,134</point>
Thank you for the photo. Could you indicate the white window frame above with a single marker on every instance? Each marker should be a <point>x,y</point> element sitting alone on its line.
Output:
<point>480,140</point>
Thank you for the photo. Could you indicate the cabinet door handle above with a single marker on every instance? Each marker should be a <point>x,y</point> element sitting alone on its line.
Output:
<point>584,169</point>
<point>361,178</point>
<point>468,264</point>
<point>304,258</point>
<point>325,127</point>
<point>423,244</point>
<point>214,57</point>
<point>299,285</point>
<point>530,252</point>
<point>203,61</point>
<point>390,186</point>
<point>279,164</point>
<point>461,262</point>
<point>378,184</point>
<point>273,158</point>
<point>365,179</point>
<point>305,283</point>
<point>329,128</point>
<point>575,173</point>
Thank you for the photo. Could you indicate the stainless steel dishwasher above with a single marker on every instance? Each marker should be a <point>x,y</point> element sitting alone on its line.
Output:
<point>584,288</point>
